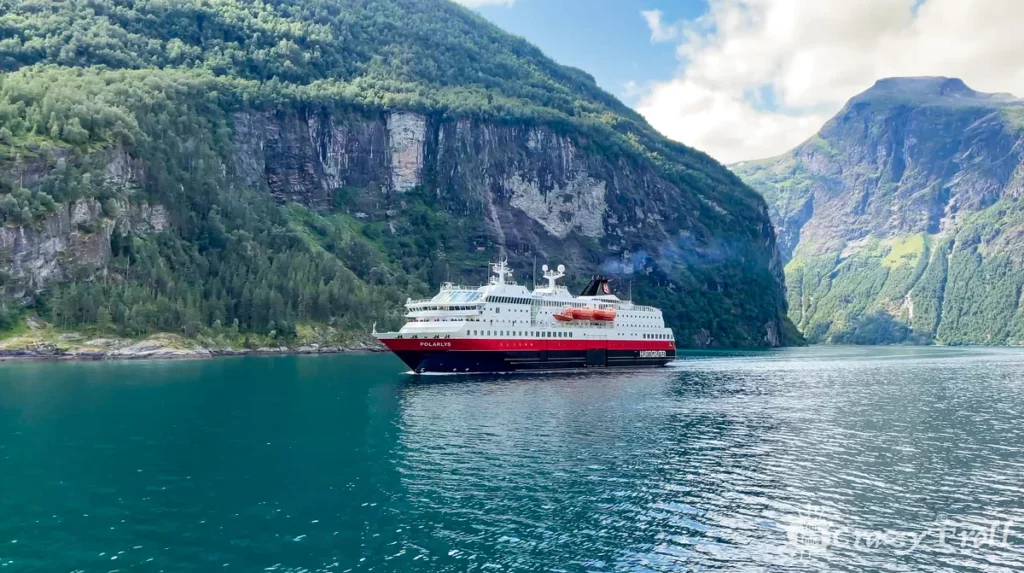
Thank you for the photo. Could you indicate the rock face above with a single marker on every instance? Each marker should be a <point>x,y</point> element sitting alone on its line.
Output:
<point>306,158</point>
<point>529,174</point>
<point>406,139</point>
<point>579,206</point>
<point>75,239</point>
<point>535,190</point>
<point>888,214</point>
<point>76,236</point>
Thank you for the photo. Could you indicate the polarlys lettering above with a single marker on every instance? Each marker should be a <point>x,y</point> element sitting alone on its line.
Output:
<point>435,345</point>
<point>652,354</point>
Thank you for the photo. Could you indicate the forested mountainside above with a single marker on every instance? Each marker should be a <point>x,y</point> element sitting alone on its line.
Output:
<point>217,168</point>
<point>901,219</point>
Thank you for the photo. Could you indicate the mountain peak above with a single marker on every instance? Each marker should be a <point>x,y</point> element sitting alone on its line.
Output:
<point>922,85</point>
<point>924,90</point>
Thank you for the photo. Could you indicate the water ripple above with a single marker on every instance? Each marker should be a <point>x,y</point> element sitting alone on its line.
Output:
<point>733,463</point>
<point>844,459</point>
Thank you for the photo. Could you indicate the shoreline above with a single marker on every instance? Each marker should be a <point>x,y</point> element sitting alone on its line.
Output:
<point>178,354</point>
<point>40,345</point>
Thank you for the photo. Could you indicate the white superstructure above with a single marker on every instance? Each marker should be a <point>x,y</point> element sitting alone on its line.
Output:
<point>503,309</point>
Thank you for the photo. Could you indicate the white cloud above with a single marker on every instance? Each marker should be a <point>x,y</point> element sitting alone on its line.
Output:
<point>478,3</point>
<point>760,76</point>
<point>659,31</point>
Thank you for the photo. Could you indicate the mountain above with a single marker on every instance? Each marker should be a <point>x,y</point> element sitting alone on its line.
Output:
<point>901,221</point>
<point>234,168</point>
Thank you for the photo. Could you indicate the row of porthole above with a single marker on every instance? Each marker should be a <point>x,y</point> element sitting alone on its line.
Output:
<point>537,334</point>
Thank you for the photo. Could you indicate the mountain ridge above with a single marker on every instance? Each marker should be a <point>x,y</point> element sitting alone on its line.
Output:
<point>914,179</point>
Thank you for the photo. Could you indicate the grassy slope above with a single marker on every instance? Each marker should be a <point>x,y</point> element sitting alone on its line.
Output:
<point>961,289</point>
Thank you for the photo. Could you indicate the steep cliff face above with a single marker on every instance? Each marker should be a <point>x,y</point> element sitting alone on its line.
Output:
<point>74,239</point>
<point>508,174</point>
<point>886,213</point>
<point>535,192</point>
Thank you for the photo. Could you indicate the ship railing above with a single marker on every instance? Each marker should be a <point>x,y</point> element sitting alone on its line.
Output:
<point>417,301</point>
<point>443,306</point>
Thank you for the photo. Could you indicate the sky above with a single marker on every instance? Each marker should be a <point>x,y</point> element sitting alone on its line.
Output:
<point>746,79</point>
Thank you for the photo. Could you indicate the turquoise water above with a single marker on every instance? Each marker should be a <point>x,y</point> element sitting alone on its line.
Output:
<point>725,462</point>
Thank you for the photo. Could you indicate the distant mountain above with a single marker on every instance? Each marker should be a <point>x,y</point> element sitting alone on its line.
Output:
<point>256,170</point>
<point>901,219</point>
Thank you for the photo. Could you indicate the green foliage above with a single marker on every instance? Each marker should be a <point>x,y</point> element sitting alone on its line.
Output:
<point>863,295</point>
<point>427,55</point>
<point>10,315</point>
<point>161,81</point>
<point>957,291</point>
<point>878,327</point>
<point>23,206</point>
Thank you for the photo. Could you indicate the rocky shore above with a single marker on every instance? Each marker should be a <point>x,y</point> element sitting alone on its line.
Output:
<point>72,346</point>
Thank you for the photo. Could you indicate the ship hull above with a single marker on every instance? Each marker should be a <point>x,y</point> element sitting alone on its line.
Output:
<point>511,356</point>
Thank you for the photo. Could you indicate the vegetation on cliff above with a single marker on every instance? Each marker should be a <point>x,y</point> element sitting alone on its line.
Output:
<point>901,219</point>
<point>161,81</point>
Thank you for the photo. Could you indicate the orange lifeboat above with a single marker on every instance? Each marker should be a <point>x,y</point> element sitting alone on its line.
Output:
<point>582,313</point>
<point>604,314</point>
<point>563,316</point>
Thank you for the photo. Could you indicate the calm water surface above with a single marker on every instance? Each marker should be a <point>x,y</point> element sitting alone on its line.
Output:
<point>845,459</point>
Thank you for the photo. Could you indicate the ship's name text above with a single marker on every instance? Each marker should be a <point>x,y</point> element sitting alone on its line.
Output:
<point>435,345</point>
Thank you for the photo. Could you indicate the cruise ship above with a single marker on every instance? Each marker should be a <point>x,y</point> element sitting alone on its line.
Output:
<point>504,327</point>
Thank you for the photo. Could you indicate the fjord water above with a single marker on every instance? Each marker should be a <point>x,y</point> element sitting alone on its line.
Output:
<point>729,461</point>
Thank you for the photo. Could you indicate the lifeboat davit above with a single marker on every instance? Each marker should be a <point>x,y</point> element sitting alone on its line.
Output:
<point>605,314</point>
<point>582,313</point>
<point>564,316</point>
